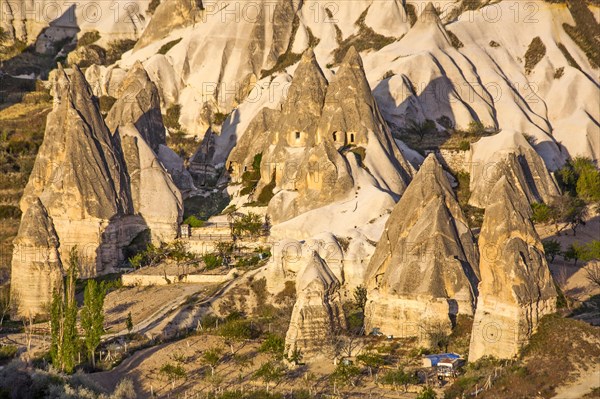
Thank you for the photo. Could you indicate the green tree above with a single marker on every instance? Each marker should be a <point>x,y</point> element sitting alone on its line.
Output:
<point>573,252</point>
<point>371,361</point>
<point>542,213</point>
<point>92,316</point>
<point>588,179</point>
<point>63,319</point>
<point>129,322</point>
<point>399,377</point>
<point>344,373</point>
<point>360,297</point>
<point>173,372</point>
<point>273,344</point>
<point>211,358</point>
<point>270,372</point>
<point>551,249</point>
<point>569,210</point>
<point>427,393</point>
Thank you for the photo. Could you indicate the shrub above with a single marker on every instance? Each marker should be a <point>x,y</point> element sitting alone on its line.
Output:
<point>476,128</point>
<point>534,54</point>
<point>464,145</point>
<point>117,48</point>
<point>9,212</point>
<point>542,213</point>
<point>551,249</point>
<point>88,38</point>
<point>273,344</point>
<point>173,372</point>
<point>171,119</point>
<point>494,44</point>
<point>8,351</point>
<point>456,43</point>
<point>153,6</point>
<point>168,46</point>
<point>193,221</point>
<point>212,261</point>
<point>106,103</point>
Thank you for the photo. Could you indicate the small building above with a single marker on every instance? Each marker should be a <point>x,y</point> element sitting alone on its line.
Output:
<point>434,360</point>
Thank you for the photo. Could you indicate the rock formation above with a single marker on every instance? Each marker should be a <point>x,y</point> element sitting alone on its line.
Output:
<point>424,270</point>
<point>509,154</point>
<point>138,102</point>
<point>317,315</point>
<point>516,287</point>
<point>80,180</point>
<point>306,150</point>
<point>155,196</point>
<point>36,266</point>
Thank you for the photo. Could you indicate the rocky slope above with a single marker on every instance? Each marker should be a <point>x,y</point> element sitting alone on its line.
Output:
<point>424,271</point>
<point>516,287</point>
<point>48,22</point>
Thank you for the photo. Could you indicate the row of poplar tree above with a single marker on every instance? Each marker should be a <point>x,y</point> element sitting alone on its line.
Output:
<point>66,340</point>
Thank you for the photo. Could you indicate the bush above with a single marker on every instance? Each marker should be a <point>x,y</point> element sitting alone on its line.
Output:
<point>88,38</point>
<point>274,344</point>
<point>534,54</point>
<point>542,213</point>
<point>168,46</point>
<point>117,48</point>
<point>212,261</point>
<point>464,145</point>
<point>153,6</point>
<point>9,212</point>
<point>8,352</point>
<point>476,128</point>
<point>193,221</point>
<point>171,119</point>
<point>551,249</point>
<point>106,103</point>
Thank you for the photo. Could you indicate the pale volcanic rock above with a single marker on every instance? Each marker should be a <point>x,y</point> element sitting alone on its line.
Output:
<point>309,151</point>
<point>424,270</point>
<point>80,178</point>
<point>516,287</point>
<point>36,264</point>
<point>138,102</point>
<point>317,315</point>
<point>155,196</point>
<point>509,154</point>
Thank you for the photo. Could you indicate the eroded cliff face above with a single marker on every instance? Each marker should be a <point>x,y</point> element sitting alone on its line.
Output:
<point>96,196</point>
<point>80,179</point>
<point>155,197</point>
<point>509,154</point>
<point>424,270</point>
<point>516,287</point>
<point>138,102</point>
<point>309,147</point>
<point>36,265</point>
<point>317,316</point>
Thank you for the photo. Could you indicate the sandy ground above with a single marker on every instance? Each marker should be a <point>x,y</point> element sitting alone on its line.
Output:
<point>571,278</point>
<point>234,372</point>
<point>145,303</point>
<point>586,382</point>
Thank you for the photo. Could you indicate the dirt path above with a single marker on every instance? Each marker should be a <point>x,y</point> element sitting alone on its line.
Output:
<point>582,386</point>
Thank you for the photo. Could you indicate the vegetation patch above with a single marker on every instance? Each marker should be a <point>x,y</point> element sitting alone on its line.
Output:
<point>534,54</point>
<point>365,39</point>
<point>168,46</point>
<point>456,43</point>
<point>586,31</point>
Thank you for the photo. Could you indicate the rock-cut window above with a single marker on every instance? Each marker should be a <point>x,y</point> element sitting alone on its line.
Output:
<point>297,135</point>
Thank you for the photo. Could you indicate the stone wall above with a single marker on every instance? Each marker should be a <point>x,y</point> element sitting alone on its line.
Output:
<point>455,160</point>
<point>132,279</point>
